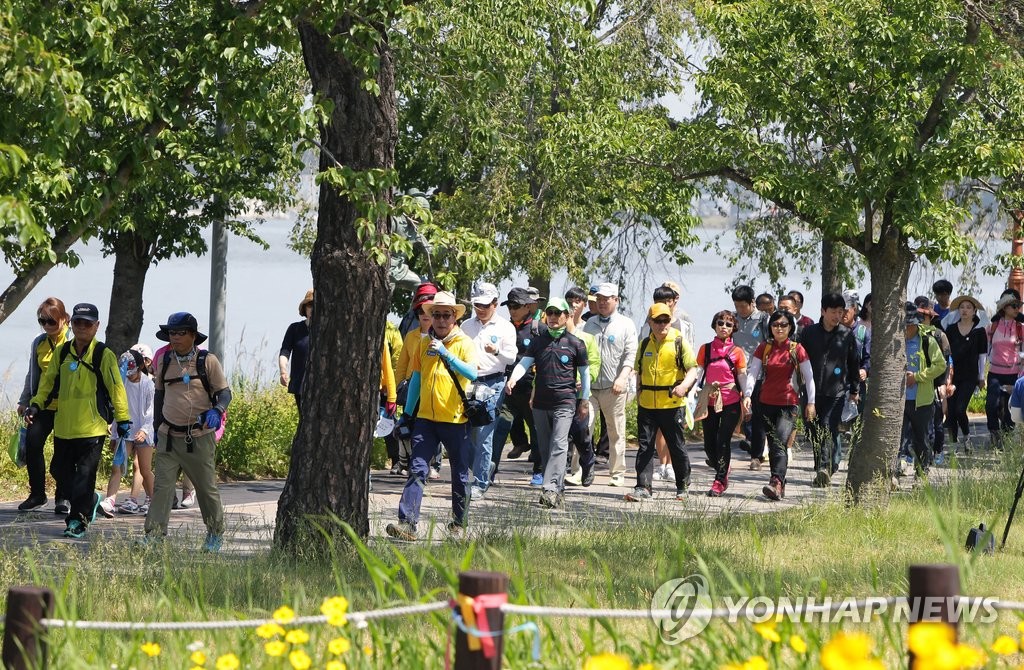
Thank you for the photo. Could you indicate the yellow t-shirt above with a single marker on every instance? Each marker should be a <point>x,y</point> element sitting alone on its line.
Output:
<point>439,400</point>
<point>657,367</point>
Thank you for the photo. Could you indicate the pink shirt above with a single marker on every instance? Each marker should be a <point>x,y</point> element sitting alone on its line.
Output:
<point>719,370</point>
<point>1004,338</point>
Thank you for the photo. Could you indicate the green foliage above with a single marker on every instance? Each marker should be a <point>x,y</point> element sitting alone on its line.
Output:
<point>258,436</point>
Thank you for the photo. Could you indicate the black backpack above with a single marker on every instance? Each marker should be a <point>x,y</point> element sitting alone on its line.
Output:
<point>200,370</point>
<point>104,405</point>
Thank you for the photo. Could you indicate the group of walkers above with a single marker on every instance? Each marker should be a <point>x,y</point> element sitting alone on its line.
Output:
<point>552,370</point>
<point>162,411</point>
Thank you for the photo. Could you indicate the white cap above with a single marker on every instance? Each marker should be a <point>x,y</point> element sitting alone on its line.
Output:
<point>484,293</point>
<point>608,290</point>
<point>144,350</point>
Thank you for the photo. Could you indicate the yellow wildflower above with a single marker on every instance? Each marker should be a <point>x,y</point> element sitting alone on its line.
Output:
<point>228,662</point>
<point>1020,628</point>
<point>284,614</point>
<point>300,660</point>
<point>336,665</point>
<point>368,649</point>
<point>1005,645</point>
<point>970,657</point>
<point>196,667</point>
<point>607,661</point>
<point>927,637</point>
<point>275,648</point>
<point>198,658</point>
<point>334,609</point>
<point>269,630</point>
<point>798,644</point>
<point>846,650</point>
<point>767,631</point>
<point>647,666</point>
<point>338,646</point>
<point>752,663</point>
<point>151,649</point>
<point>297,636</point>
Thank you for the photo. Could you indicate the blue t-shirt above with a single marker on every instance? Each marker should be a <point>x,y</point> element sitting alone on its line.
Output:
<point>1017,397</point>
<point>913,363</point>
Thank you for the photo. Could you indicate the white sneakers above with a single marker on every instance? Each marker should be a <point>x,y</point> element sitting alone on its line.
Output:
<point>617,480</point>
<point>189,500</point>
<point>664,473</point>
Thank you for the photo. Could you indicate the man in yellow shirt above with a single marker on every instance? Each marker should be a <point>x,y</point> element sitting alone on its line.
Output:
<point>446,357</point>
<point>666,371</point>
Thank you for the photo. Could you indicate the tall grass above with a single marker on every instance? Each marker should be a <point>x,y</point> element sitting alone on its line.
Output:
<point>824,549</point>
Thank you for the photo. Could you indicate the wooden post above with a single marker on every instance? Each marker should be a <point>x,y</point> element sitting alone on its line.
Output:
<point>475,584</point>
<point>932,590</point>
<point>24,647</point>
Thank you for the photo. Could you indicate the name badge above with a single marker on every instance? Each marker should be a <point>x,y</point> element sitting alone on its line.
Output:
<point>564,358</point>
<point>648,353</point>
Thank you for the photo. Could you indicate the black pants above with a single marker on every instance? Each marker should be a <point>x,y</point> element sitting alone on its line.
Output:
<point>602,446</point>
<point>718,427</point>
<point>581,438</point>
<point>35,461</point>
<point>997,404</point>
<point>778,422</point>
<point>513,408</point>
<point>824,433</point>
<point>754,429</point>
<point>648,423</point>
<point>79,459</point>
<point>956,407</point>
<point>936,432</point>
<point>915,425</point>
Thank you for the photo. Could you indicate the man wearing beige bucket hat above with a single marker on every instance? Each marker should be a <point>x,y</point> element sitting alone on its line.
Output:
<point>438,362</point>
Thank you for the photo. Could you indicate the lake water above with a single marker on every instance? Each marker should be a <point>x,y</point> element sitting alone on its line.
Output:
<point>265,287</point>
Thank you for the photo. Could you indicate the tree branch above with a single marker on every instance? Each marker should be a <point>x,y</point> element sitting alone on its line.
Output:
<point>938,109</point>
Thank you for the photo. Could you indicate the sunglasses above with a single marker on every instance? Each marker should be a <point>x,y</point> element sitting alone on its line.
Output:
<point>46,322</point>
<point>1015,305</point>
<point>443,316</point>
<point>780,324</point>
<point>663,322</point>
<point>720,323</point>
<point>82,323</point>
<point>516,305</point>
<point>553,311</point>
<point>178,333</point>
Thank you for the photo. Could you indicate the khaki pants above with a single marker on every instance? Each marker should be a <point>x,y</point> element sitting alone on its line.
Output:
<point>614,408</point>
<point>200,466</point>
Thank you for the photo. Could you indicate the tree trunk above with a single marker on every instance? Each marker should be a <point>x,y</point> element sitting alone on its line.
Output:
<point>889,261</point>
<point>830,280</point>
<point>132,259</point>
<point>331,451</point>
<point>542,284</point>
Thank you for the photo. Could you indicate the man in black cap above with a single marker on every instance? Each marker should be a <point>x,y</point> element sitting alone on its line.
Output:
<point>192,395</point>
<point>86,381</point>
<point>515,407</point>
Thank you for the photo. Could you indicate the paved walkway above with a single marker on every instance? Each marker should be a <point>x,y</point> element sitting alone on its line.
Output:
<point>511,504</point>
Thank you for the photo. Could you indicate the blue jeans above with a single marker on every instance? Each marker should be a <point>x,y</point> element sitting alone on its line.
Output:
<point>482,436</point>
<point>426,438</point>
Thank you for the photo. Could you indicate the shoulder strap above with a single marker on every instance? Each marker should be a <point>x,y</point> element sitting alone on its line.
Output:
<point>643,347</point>
<point>65,349</point>
<point>455,380</point>
<point>102,393</point>
<point>201,371</point>
<point>679,352</point>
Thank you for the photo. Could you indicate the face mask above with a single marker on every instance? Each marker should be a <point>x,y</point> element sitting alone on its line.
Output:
<point>556,332</point>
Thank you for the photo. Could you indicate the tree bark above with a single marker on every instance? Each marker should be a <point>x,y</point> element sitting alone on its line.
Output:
<point>331,451</point>
<point>132,258</point>
<point>830,280</point>
<point>889,262</point>
<point>542,284</point>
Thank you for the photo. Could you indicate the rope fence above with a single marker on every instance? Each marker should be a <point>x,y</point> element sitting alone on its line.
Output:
<point>479,610</point>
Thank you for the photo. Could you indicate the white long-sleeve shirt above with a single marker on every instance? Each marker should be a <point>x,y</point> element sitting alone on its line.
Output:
<point>498,332</point>
<point>140,406</point>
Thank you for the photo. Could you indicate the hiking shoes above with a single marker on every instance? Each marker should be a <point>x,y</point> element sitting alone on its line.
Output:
<point>717,489</point>
<point>756,463</point>
<point>33,502</point>
<point>822,479</point>
<point>551,500</point>
<point>107,508</point>
<point>62,507</point>
<point>588,478</point>
<point>213,543</point>
<point>574,480</point>
<point>682,494</point>
<point>617,480</point>
<point>401,531</point>
<point>75,529</point>
<point>775,490</point>
<point>537,480</point>
<point>188,499</point>
<point>96,506</point>
<point>130,506</point>
<point>638,494</point>
<point>456,530</point>
<point>517,451</point>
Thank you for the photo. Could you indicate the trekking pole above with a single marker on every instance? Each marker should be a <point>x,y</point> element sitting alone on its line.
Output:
<point>1013,508</point>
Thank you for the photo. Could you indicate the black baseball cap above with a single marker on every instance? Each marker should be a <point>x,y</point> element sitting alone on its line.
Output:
<point>520,296</point>
<point>86,312</point>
